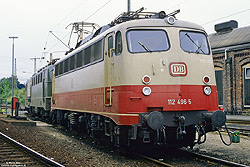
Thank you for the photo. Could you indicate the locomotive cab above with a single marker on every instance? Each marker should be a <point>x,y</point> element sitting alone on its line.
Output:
<point>165,74</point>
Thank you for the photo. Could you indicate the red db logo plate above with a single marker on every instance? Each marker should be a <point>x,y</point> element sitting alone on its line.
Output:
<point>177,69</point>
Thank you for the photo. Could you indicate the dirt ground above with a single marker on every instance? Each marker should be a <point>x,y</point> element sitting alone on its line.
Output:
<point>237,152</point>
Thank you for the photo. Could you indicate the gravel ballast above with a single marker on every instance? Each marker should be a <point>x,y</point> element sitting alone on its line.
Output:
<point>70,149</point>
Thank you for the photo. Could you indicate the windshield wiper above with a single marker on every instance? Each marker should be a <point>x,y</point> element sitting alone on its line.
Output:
<point>144,47</point>
<point>199,47</point>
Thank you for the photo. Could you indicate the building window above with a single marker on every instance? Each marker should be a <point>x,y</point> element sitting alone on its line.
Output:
<point>247,73</point>
<point>246,86</point>
<point>219,85</point>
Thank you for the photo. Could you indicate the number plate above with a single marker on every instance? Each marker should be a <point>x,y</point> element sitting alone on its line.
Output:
<point>179,101</point>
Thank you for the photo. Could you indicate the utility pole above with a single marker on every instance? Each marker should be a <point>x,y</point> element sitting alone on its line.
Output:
<point>129,8</point>
<point>50,57</point>
<point>12,75</point>
<point>34,58</point>
<point>15,75</point>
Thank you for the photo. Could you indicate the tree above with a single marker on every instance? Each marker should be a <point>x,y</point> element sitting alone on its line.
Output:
<point>6,91</point>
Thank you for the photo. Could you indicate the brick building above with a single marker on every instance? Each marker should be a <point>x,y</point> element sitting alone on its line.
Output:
<point>231,54</point>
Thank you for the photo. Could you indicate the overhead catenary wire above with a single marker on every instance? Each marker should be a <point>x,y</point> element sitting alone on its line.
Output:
<point>45,46</point>
<point>171,7</point>
<point>50,32</point>
<point>98,10</point>
<point>58,42</point>
<point>78,6</point>
<point>226,16</point>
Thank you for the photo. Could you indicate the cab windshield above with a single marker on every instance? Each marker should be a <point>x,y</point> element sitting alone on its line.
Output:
<point>194,42</point>
<point>140,41</point>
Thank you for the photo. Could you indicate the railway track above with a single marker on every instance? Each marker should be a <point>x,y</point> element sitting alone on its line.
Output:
<point>186,158</point>
<point>13,153</point>
<point>244,130</point>
<point>215,160</point>
<point>239,121</point>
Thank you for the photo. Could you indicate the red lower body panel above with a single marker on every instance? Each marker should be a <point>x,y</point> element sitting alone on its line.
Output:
<point>129,101</point>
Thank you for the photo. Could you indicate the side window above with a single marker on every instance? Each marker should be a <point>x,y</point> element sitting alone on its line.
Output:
<point>92,52</point>
<point>87,55</point>
<point>41,77</point>
<point>61,68</point>
<point>79,59</point>
<point>38,78</point>
<point>66,65</point>
<point>56,70</point>
<point>83,57</point>
<point>110,45</point>
<point>72,62</point>
<point>98,50</point>
<point>118,43</point>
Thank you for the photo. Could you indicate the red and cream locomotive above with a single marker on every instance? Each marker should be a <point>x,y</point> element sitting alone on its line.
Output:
<point>145,78</point>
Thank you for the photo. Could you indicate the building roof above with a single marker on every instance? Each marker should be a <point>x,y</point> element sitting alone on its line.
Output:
<point>236,39</point>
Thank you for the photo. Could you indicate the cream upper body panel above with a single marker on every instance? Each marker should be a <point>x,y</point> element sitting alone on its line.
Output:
<point>131,67</point>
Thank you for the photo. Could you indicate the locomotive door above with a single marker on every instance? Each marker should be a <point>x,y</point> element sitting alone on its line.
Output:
<point>108,69</point>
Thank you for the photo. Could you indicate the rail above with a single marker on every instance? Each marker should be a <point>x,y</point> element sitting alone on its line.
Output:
<point>194,160</point>
<point>214,159</point>
<point>32,152</point>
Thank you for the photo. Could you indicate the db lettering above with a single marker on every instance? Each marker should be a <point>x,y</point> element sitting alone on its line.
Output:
<point>179,69</point>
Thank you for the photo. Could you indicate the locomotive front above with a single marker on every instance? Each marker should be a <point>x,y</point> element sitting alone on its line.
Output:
<point>163,71</point>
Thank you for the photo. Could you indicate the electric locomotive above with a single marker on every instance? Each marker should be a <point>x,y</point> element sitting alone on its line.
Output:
<point>144,79</point>
<point>39,92</point>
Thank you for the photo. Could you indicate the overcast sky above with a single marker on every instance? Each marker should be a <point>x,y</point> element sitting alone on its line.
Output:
<point>31,21</point>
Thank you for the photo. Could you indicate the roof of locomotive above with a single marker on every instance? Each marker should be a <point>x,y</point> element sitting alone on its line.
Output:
<point>50,65</point>
<point>140,23</point>
<point>159,23</point>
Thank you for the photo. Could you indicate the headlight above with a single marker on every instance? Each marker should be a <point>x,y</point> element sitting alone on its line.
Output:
<point>146,91</point>
<point>171,20</point>
<point>146,79</point>
<point>207,90</point>
<point>206,79</point>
